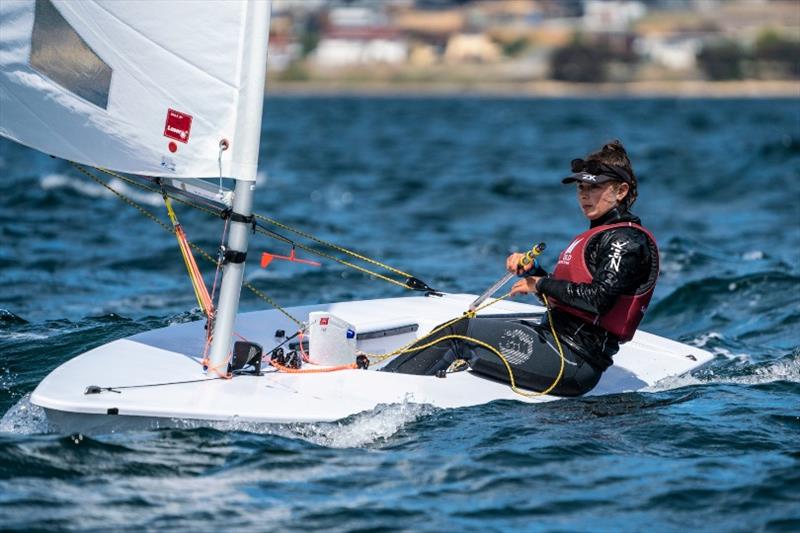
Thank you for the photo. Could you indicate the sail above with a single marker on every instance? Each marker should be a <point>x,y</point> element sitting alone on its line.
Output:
<point>151,88</point>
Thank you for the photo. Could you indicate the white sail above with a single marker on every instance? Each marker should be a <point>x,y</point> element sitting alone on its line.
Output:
<point>147,88</point>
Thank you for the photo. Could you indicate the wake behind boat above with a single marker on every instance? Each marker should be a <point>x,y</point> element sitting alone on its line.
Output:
<point>186,107</point>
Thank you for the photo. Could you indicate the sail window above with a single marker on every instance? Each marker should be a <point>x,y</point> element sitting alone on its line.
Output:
<point>58,52</point>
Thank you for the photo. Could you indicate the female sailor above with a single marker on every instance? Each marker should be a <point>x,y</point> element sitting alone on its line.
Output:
<point>597,294</point>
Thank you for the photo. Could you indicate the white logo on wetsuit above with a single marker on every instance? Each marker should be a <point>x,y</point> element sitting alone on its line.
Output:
<point>616,256</point>
<point>516,345</point>
<point>566,257</point>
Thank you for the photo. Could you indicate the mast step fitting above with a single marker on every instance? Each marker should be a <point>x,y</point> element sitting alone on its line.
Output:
<point>246,358</point>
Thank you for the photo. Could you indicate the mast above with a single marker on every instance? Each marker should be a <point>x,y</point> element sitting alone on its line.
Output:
<point>244,147</point>
<point>232,275</point>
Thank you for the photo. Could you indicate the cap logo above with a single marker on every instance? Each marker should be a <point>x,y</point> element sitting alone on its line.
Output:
<point>589,177</point>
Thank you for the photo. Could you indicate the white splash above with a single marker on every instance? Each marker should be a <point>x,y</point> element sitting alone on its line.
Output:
<point>357,431</point>
<point>783,370</point>
<point>24,418</point>
<point>753,255</point>
<point>707,338</point>
<point>17,336</point>
<point>364,428</point>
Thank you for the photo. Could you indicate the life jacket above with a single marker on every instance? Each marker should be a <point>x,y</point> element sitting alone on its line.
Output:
<point>623,319</point>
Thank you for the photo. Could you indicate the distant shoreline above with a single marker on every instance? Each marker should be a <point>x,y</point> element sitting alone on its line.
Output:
<point>542,89</point>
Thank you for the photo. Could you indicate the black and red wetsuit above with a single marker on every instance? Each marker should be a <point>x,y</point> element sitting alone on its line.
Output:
<point>598,300</point>
<point>622,262</point>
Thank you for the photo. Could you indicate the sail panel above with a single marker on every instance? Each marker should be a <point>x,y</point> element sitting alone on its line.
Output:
<point>136,87</point>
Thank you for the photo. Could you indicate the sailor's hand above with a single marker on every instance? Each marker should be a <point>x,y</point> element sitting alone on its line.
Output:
<point>526,286</point>
<point>513,264</point>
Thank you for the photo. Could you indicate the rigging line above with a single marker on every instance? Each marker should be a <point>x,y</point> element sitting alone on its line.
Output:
<point>343,262</point>
<point>194,246</point>
<point>222,240</point>
<point>277,235</point>
<point>144,187</point>
<point>204,299</point>
<point>332,245</point>
<point>415,344</point>
<point>408,347</point>
<point>379,357</point>
<point>270,233</point>
<point>122,197</point>
<point>94,389</point>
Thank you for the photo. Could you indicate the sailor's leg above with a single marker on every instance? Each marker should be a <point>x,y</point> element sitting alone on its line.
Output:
<point>533,356</point>
<point>428,361</point>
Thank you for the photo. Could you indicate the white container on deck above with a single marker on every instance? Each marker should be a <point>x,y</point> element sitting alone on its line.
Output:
<point>331,340</point>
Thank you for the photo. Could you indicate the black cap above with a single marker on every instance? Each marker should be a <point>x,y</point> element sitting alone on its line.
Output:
<point>596,172</point>
<point>589,178</point>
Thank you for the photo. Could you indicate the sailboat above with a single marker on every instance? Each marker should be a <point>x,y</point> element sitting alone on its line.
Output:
<point>173,96</point>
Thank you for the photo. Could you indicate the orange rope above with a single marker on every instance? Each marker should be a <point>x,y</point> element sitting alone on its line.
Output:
<point>207,365</point>
<point>199,286</point>
<point>200,289</point>
<point>306,358</point>
<point>281,368</point>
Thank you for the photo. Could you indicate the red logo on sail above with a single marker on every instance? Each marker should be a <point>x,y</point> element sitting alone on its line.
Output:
<point>178,126</point>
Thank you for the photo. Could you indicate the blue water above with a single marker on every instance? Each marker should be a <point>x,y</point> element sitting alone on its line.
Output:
<point>443,188</point>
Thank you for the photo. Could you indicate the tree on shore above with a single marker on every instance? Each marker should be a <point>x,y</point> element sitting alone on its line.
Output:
<point>777,56</point>
<point>722,60</point>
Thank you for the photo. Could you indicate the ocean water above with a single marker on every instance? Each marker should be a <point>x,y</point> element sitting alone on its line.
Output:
<point>444,188</point>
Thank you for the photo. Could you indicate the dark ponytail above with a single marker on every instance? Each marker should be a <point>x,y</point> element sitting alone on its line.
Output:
<point>613,153</point>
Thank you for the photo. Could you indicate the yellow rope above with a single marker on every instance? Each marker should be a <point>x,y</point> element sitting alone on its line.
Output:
<point>377,357</point>
<point>414,346</point>
<point>293,230</point>
<point>405,349</point>
<point>200,290</point>
<point>343,262</point>
<point>169,229</point>
<point>332,245</point>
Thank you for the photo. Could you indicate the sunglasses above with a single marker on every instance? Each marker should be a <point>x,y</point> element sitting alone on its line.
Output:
<point>596,167</point>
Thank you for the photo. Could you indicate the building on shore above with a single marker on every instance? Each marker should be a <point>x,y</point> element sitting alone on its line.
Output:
<point>359,36</point>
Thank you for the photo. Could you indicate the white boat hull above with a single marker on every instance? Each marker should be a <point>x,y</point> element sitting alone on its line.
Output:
<point>173,354</point>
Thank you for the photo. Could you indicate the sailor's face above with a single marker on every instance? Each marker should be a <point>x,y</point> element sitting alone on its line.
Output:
<point>597,199</point>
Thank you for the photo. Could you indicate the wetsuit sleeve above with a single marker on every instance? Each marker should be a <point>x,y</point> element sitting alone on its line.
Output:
<point>537,270</point>
<point>618,271</point>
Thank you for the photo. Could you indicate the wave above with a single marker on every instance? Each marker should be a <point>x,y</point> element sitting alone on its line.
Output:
<point>7,318</point>
<point>787,146</point>
<point>753,306</point>
<point>785,369</point>
<point>360,430</point>
<point>681,256</point>
<point>706,293</point>
<point>356,431</point>
<point>24,418</point>
<point>93,190</point>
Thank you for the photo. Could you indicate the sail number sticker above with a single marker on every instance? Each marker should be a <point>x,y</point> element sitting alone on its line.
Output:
<point>178,126</point>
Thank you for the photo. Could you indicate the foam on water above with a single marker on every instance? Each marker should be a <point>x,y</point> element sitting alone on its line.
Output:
<point>356,431</point>
<point>711,340</point>
<point>360,430</point>
<point>787,369</point>
<point>24,418</point>
<point>365,428</point>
